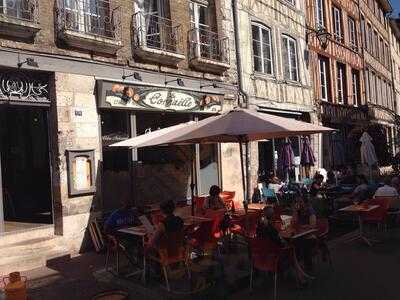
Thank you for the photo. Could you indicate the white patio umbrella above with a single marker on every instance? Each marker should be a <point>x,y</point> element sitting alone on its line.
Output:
<point>236,126</point>
<point>368,154</point>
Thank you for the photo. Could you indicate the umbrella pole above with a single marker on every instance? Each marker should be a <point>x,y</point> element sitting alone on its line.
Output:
<point>243,176</point>
<point>193,171</point>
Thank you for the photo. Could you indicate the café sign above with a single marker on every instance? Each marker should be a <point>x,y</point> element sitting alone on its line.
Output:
<point>116,95</point>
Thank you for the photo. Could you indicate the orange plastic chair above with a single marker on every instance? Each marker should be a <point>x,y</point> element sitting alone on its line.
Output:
<point>172,250</point>
<point>264,256</point>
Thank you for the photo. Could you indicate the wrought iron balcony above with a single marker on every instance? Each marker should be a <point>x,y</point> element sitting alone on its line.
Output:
<point>207,51</point>
<point>157,39</point>
<point>92,25</point>
<point>19,18</point>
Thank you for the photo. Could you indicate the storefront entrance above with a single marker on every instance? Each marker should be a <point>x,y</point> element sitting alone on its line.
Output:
<point>25,178</point>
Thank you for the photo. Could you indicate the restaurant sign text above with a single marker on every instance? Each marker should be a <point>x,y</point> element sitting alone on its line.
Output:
<point>117,95</point>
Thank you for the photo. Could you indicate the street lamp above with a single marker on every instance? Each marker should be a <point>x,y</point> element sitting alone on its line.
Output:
<point>322,36</point>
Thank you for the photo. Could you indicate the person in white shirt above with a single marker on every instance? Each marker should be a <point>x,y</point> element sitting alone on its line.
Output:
<point>388,191</point>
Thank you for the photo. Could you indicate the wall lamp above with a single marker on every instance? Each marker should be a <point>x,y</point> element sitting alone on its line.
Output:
<point>214,85</point>
<point>179,81</point>
<point>135,75</point>
<point>322,36</point>
<point>29,61</point>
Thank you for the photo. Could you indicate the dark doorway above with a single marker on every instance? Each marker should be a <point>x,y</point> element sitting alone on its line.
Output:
<point>26,178</point>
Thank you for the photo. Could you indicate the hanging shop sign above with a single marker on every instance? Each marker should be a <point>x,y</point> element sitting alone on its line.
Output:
<point>117,95</point>
<point>18,86</point>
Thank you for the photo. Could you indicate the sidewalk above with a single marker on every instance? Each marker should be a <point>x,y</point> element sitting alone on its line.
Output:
<point>360,272</point>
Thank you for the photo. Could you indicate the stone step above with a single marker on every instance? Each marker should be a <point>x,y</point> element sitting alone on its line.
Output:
<point>27,247</point>
<point>30,254</point>
<point>27,234</point>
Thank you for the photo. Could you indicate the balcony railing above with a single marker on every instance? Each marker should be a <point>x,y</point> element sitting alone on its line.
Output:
<point>155,32</point>
<point>90,17</point>
<point>208,45</point>
<point>23,10</point>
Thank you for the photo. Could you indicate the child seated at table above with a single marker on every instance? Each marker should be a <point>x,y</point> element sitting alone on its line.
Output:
<point>170,224</point>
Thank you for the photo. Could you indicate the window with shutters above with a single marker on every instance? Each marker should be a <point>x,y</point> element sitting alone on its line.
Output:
<point>352,34</point>
<point>289,58</point>
<point>320,13</point>
<point>337,24</point>
<point>341,83</point>
<point>355,76</point>
<point>262,49</point>
<point>324,78</point>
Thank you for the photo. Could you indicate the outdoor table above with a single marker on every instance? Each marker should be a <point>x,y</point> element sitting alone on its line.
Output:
<point>138,231</point>
<point>359,209</point>
<point>292,233</point>
<point>257,206</point>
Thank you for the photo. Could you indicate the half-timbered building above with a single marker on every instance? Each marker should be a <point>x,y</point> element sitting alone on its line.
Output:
<point>337,76</point>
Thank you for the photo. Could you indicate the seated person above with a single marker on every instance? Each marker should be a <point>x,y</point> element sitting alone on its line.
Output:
<point>331,178</point>
<point>266,229</point>
<point>388,191</point>
<point>123,217</point>
<point>316,185</point>
<point>275,184</point>
<point>348,177</point>
<point>361,192</point>
<point>304,215</point>
<point>170,224</point>
<point>214,201</point>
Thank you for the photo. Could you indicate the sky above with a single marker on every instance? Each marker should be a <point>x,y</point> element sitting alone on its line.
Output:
<point>396,7</point>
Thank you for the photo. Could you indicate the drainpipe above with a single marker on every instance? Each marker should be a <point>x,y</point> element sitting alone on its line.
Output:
<point>243,96</point>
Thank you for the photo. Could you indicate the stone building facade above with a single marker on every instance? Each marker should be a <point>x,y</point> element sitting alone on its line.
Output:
<point>395,57</point>
<point>275,72</point>
<point>337,76</point>
<point>378,76</point>
<point>85,74</point>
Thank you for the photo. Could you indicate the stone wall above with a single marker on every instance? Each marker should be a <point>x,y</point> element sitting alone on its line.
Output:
<point>78,128</point>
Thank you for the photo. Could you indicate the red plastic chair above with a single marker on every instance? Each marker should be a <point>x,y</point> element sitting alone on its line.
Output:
<point>377,216</point>
<point>203,238</point>
<point>228,198</point>
<point>264,256</point>
<point>199,202</point>
<point>247,225</point>
<point>157,218</point>
<point>322,234</point>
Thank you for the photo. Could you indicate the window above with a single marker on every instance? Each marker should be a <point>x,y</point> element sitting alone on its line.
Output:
<point>352,34</point>
<point>381,51</point>
<point>293,2</point>
<point>319,13</point>
<point>375,49</point>
<point>372,89</point>
<point>337,24</point>
<point>363,32</point>
<point>355,76</point>
<point>324,78</point>
<point>289,54</point>
<point>341,83</point>
<point>198,15</point>
<point>387,56</point>
<point>370,46</point>
<point>262,49</point>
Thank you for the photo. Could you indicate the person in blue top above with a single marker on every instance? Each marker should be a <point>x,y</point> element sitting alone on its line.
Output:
<point>125,216</point>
